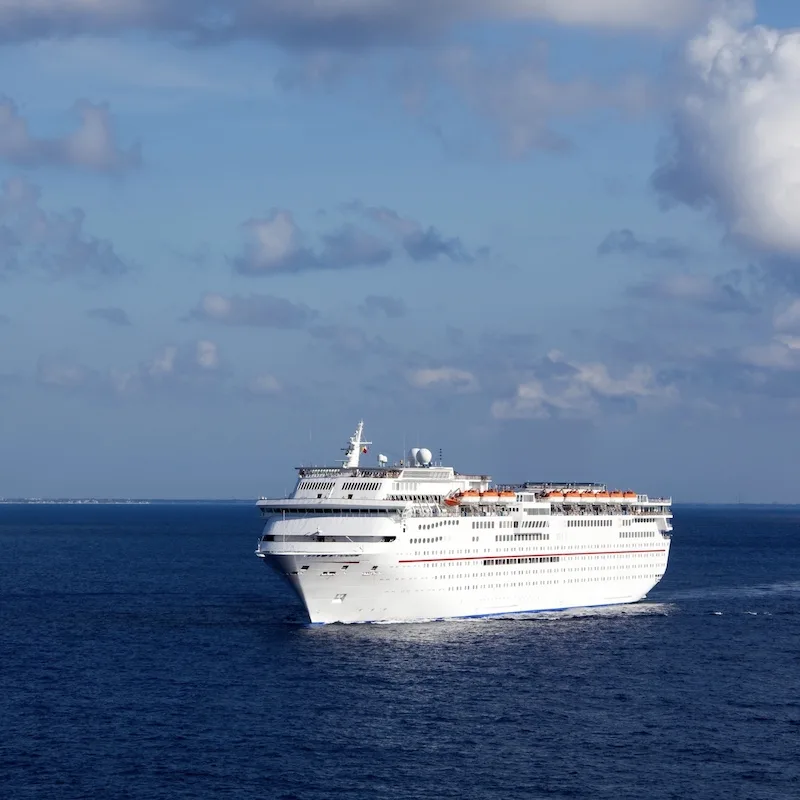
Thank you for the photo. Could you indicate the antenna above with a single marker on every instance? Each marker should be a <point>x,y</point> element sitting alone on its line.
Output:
<point>355,448</point>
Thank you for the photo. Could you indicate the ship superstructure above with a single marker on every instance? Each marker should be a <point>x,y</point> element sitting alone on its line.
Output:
<point>418,540</point>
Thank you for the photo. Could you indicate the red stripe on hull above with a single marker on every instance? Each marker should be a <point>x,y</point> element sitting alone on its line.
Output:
<point>528,555</point>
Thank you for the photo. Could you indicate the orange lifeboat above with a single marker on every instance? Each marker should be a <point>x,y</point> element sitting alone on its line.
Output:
<point>602,495</point>
<point>587,495</point>
<point>453,500</point>
<point>572,497</point>
<point>616,495</point>
<point>507,497</point>
<point>490,496</point>
<point>630,495</point>
<point>470,496</point>
<point>555,495</point>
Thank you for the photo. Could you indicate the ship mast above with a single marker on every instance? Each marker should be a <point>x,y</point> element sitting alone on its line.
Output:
<point>354,449</point>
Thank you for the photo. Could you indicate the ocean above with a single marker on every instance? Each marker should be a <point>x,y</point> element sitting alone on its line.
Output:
<point>145,652</point>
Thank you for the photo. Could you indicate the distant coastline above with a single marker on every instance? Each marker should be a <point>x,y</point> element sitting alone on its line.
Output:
<point>110,501</point>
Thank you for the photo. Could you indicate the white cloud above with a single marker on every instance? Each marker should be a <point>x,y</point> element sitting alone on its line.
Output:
<point>256,310</point>
<point>458,380</point>
<point>207,355</point>
<point>789,318</point>
<point>163,363</point>
<point>576,390</point>
<point>517,94</point>
<point>92,145</point>
<point>335,23</point>
<point>61,372</point>
<point>736,129</point>
<point>782,353</point>
<point>264,385</point>
<point>51,244</point>
<point>275,240</point>
<point>646,14</point>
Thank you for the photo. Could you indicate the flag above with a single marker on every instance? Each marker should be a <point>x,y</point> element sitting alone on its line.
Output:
<point>364,449</point>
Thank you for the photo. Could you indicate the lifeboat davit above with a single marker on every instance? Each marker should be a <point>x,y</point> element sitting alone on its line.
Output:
<point>470,496</point>
<point>490,496</point>
<point>507,497</point>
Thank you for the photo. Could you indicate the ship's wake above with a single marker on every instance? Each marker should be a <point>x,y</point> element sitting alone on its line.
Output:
<point>734,592</point>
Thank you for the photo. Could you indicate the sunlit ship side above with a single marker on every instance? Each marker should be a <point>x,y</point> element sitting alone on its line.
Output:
<point>418,540</point>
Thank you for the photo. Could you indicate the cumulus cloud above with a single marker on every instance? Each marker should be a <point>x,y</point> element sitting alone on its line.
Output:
<point>50,244</point>
<point>62,372</point>
<point>736,125</point>
<point>92,145</point>
<point>625,242</point>
<point>263,385</point>
<point>781,353</point>
<point>419,242</point>
<point>256,310</point>
<point>114,316</point>
<point>192,364</point>
<point>376,304</point>
<point>788,317</point>
<point>275,244</point>
<point>581,390</point>
<point>448,378</point>
<point>340,24</point>
<point>711,294</point>
<point>517,94</point>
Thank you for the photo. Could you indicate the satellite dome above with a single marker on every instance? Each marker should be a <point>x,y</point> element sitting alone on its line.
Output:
<point>412,455</point>
<point>424,456</point>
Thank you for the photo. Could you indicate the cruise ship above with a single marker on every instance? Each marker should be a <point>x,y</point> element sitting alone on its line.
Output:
<point>419,541</point>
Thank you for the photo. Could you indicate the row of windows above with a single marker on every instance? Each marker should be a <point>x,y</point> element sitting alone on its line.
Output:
<point>629,522</point>
<point>428,540</point>
<point>483,523</point>
<point>438,524</point>
<point>589,523</point>
<point>324,486</point>
<point>364,486</point>
<point>522,537</point>
<point>428,498</point>
<point>637,535</point>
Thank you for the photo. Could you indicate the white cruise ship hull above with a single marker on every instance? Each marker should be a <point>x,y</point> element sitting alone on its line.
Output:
<point>367,605</point>
<point>396,583</point>
<point>419,541</point>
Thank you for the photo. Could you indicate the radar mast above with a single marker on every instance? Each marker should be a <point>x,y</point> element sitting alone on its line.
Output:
<point>355,448</point>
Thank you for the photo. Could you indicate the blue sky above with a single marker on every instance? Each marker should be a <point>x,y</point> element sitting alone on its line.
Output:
<point>554,239</point>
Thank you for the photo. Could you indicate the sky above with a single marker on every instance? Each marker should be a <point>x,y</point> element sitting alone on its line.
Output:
<point>552,239</point>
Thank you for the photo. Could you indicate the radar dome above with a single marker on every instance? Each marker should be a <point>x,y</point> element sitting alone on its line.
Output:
<point>424,456</point>
<point>412,455</point>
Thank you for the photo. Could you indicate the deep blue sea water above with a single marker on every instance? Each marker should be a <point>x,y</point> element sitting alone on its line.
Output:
<point>146,653</point>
